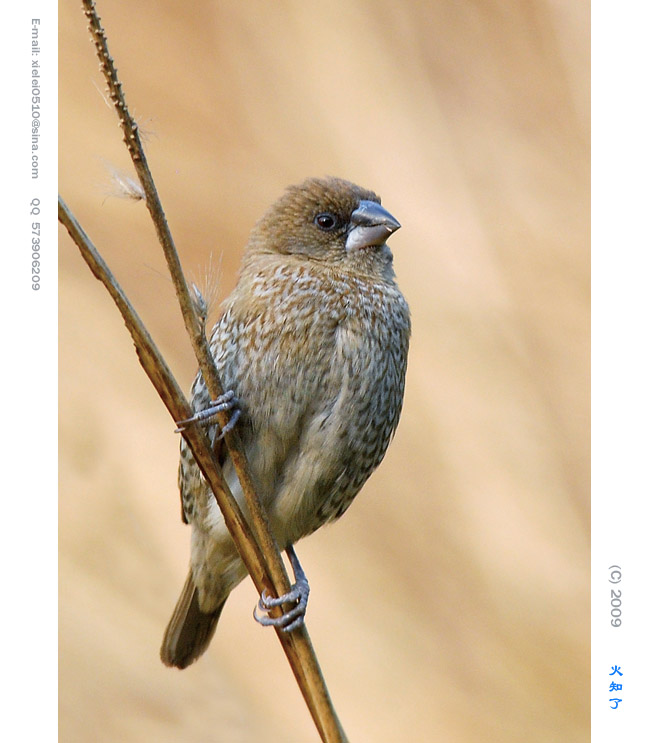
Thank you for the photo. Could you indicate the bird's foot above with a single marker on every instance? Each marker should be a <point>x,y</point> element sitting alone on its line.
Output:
<point>227,401</point>
<point>299,594</point>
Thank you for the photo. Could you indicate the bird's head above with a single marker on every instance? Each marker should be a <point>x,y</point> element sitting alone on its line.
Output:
<point>328,220</point>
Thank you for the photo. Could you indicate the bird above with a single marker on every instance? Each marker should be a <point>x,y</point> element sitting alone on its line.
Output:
<point>311,346</point>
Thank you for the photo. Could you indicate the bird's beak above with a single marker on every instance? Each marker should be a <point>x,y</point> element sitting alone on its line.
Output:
<point>370,224</point>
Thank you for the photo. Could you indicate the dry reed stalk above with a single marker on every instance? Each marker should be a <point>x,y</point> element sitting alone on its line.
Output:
<point>254,540</point>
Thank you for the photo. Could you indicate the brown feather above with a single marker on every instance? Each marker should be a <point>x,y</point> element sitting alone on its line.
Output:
<point>313,343</point>
<point>190,630</point>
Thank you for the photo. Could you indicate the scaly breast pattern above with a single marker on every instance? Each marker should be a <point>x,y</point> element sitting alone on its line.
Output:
<point>317,359</point>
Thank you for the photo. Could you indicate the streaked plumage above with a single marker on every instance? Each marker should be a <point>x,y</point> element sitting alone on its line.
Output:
<point>313,341</point>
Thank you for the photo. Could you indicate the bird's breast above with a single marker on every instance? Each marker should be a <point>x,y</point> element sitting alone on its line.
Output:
<point>294,343</point>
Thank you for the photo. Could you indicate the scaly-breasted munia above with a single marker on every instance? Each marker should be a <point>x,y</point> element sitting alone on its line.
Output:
<point>313,343</point>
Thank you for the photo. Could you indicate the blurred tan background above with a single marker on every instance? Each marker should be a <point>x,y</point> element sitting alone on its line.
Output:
<point>451,603</point>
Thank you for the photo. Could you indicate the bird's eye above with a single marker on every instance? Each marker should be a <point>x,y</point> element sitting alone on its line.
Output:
<point>326,221</point>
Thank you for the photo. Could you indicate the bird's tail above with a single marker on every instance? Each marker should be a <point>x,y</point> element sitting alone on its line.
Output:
<point>190,630</point>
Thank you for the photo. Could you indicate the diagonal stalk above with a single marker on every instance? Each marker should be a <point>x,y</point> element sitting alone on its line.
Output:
<point>267,568</point>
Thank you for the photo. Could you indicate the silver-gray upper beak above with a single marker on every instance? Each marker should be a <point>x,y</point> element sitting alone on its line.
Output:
<point>370,224</point>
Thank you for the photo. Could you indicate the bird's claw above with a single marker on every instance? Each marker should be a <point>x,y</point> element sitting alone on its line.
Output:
<point>291,619</point>
<point>227,401</point>
<point>299,593</point>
